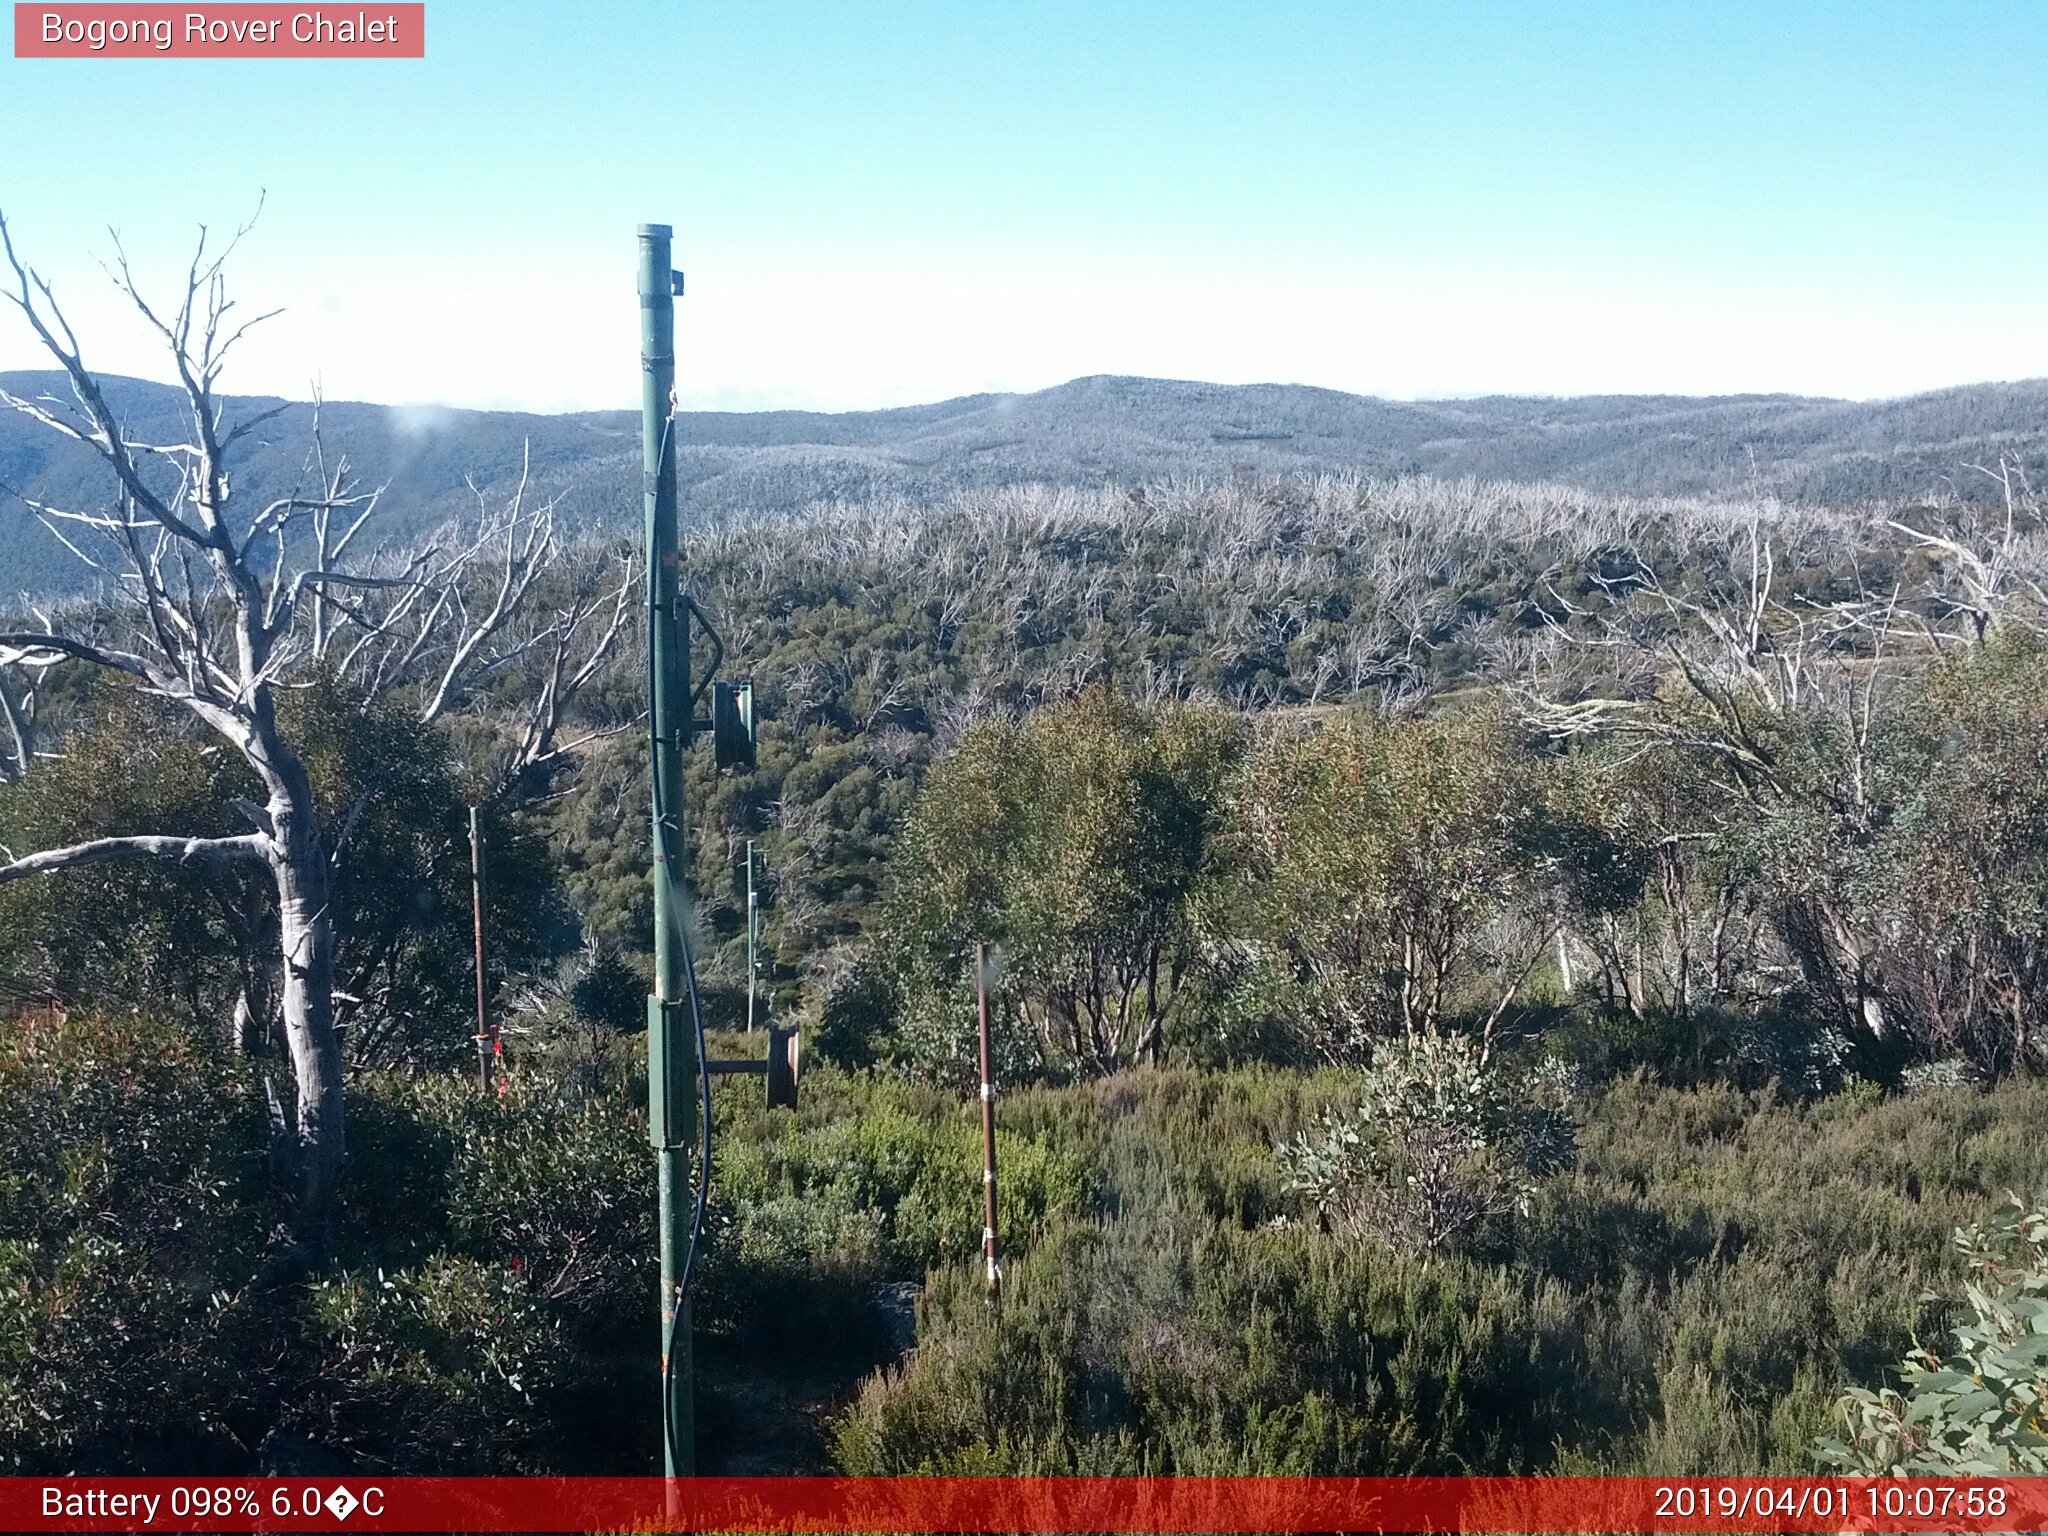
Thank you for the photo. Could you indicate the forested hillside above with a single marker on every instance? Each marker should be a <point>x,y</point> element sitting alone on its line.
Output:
<point>1092,432</point>
<point>1492,977</point>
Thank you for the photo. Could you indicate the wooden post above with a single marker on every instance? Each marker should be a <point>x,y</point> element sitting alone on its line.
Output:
<point>476,903</point>
<point>753,966</point>
<point>989,1247</point>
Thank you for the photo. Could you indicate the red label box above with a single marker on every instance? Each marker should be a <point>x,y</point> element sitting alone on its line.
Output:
<point>372,30</point>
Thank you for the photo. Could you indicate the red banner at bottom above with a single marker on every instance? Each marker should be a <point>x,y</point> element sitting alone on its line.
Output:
<point>1050,1504</point>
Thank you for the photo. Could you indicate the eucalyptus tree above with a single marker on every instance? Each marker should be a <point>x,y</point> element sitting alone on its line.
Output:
<point>1387,878</point>
<point>1074,841</point>
<point>216,608</point>
<point>1800,684</point>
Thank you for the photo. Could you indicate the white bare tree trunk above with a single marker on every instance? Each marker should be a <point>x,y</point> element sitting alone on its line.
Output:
<point>298,864</point>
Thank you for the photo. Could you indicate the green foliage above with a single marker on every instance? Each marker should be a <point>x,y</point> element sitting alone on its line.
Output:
<point>883,1178</point>
<point>1144,1349</point>
<point>1965,898</point>
<point>1861,896</point>
<point>440,1365</point>
<point>535,1200</point>
<point>133,1220</point>
<point>493,1251</point>
<point>394,811</point>
<point>113,933</point>
<point>1682,1300</point>
<point>1444,1138</point>
<point>1981,1410</point>
<point>1381,876</point>
<point>1073,842</point>
<point>546,1179</point>
<point>878,634</point>
<point>1847,882</point>
<point>1748,1222</point>
<point>195,938</point>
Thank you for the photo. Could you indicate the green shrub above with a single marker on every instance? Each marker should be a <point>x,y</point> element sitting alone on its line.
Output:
<point>442,1365</point>
<point>1678,1301</point>
<point>493,1247</point>
<point>536,1201</point>
<point>1981,1409</point>
<point>1140,1347</point>
<point>1446,1138</point>
<point>135,1221</point>
<point>1681,1299</point>
<point>905,1157</point>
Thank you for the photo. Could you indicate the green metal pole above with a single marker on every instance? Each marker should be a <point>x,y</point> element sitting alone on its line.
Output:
<point>671,1057</point>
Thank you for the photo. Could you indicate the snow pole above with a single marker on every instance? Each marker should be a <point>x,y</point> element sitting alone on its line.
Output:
<point>672,1085</point>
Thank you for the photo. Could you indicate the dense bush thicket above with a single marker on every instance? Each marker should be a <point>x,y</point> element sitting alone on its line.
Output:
<point>1856,898</point>
<point>1689,1296</point>
<point>879,633</point>
<point>200,938</point>
<point>491,1249</point>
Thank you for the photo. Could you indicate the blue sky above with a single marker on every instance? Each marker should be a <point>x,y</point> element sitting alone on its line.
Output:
<point>879,203</point>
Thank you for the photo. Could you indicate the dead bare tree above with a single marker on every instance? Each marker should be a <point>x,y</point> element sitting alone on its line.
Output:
<point>1990,570</point>
<point>18,693</point>
<point>216,611</point>
<point>1744,660</point>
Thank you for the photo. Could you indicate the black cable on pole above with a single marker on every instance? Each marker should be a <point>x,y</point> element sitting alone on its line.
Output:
<point>667,866</point>
<point>675,1316</point>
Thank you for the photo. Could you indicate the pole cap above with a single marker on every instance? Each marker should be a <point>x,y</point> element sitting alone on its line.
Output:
<point>656,231</point>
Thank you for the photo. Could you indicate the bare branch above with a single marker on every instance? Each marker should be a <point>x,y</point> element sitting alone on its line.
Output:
<point>182,850</point>
<point>17,711</point>
<point>31,648</point>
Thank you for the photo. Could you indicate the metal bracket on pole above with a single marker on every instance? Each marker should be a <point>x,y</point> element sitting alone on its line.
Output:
<point>732,724</point>
<point>671,1077</point>
<point>782,1067</point>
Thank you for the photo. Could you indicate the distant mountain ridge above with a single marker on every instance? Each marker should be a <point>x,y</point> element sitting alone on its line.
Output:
<point>1089,431</point>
